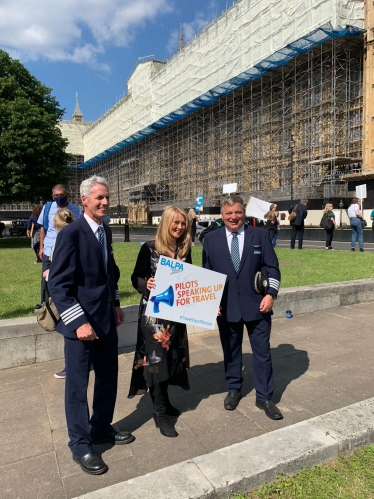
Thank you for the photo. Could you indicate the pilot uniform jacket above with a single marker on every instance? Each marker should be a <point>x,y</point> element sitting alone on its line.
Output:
<point>240,300</point>
<point>81,288</point>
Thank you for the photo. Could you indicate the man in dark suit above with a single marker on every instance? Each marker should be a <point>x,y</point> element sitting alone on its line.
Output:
<point>83,285</point>
<point>297,225</point>
<point>241,251</point>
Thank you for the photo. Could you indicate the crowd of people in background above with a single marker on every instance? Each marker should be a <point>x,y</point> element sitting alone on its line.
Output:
<point>42,235</point>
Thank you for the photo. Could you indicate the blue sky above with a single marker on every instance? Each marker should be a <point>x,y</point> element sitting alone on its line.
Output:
<point>91,46</point>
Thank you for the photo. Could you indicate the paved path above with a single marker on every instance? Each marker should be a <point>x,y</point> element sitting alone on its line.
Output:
<point>322,362</point>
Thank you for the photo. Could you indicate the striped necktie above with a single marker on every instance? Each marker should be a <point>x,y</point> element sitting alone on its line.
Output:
<point>100,231</point>
<point>235,255</point>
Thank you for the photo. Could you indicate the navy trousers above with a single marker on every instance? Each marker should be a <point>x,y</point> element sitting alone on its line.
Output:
<point>46,265</point>
<point>297,232</point>
<point>103,354</point>
<point>231,334</point>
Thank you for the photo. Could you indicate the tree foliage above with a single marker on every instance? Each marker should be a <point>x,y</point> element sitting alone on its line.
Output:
<point>32,150</point>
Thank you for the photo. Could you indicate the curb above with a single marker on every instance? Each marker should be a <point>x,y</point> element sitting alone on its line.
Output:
<point>245,466</point>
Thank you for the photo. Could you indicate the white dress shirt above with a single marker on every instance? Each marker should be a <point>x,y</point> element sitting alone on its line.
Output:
<point>95,226</point>
<point>240,233</point>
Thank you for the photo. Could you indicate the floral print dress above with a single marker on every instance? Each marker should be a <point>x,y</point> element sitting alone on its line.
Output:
<point>161,352</point>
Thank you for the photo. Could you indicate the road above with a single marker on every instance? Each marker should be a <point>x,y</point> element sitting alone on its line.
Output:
<point>281,243</point>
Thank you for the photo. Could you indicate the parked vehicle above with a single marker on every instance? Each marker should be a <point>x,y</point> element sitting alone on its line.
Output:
<point>219,222</point>
<point>203,224</point>
<point>18,228</point>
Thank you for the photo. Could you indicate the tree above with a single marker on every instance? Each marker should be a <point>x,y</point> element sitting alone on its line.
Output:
<point>32,150</point>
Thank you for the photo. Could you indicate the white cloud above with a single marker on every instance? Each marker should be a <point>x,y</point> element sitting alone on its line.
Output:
<point>190,29</point>
<point>71,30</point>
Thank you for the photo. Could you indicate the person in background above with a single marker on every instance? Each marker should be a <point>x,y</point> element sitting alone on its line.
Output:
<point>328,213</point>
<point>161,354</point>
<point>2,228</point>
<point>33,230</point>
<point>48,232</point>
<point>192,217</point>
<point>372,219</point>
<point>297,224</point>
<point>127,230</point>
<point>272,223</point>
<point>355,220</point>
<point>274,241</point>
<point>62,218</point>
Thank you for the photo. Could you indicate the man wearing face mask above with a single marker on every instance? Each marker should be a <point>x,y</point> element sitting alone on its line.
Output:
<point>48,232</point>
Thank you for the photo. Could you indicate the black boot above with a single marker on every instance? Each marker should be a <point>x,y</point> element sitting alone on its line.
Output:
<point>166,428</point>
<point>171,410</point>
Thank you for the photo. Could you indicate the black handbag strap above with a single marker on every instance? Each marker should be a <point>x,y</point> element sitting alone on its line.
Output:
<point>46,297</point>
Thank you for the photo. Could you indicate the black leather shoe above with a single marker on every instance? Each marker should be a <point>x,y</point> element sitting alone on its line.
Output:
<point>271,410</point>
<point>115,438</point>
<point>91,464</point>
<point>232,400</point>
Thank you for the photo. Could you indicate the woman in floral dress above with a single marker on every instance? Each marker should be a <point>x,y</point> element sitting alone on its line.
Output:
<point>161,355</point>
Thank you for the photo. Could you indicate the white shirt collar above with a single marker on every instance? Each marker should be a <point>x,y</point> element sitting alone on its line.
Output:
<point>94,225</point>
<point>239,232</point>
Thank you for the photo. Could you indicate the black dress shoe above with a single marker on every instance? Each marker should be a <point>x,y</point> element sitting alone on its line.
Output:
<point>91,464</point>
<point>115,438</point>
<point>232,400</point>
<point>271,410</point>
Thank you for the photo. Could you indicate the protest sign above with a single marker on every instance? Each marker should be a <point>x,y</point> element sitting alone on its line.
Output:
<point>257,208</point>
<point>185,293</point>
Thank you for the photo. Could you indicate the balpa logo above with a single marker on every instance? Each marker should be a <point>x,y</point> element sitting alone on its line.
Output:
<point>174,266</point>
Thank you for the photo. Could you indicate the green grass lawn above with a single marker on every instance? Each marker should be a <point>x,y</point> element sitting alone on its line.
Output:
<point>349,478</point>
<point>20,278</point>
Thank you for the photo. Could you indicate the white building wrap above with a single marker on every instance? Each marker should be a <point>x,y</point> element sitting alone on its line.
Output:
<point>249,39</point>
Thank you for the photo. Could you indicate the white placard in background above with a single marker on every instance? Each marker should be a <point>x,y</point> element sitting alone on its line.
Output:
<point>229,188</point>
<point>185,293</point>
<point>361,191</point>
<point>257,208</point>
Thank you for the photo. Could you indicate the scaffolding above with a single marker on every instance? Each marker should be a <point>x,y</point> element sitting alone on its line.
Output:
<point>243,138</point>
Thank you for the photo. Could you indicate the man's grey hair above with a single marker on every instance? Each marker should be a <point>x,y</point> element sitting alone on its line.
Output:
<point>230,201</point>
<point>86,186</point>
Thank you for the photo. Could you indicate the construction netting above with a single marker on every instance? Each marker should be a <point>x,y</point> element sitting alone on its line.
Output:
<point>249,40</point>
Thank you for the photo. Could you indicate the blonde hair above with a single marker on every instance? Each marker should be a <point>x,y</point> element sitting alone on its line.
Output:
<point>270,215</point>
<point>63,218</point>
<point>327,207</point>
<point>164,242</point>
<point>191,214</point>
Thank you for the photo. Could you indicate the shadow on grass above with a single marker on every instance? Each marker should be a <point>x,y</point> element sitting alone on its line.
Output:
<point>18,313</point>
<point>16,242</point>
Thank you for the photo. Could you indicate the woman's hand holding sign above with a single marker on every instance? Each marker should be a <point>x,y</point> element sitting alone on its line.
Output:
<point>150,283</point>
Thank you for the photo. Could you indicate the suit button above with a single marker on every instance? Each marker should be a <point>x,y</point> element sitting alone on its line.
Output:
<point>239,293</point>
